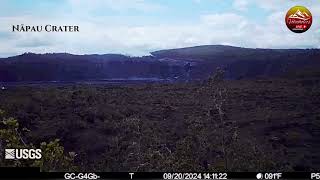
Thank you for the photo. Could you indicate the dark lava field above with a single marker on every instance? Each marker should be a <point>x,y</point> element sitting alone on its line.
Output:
<point>238,125</point>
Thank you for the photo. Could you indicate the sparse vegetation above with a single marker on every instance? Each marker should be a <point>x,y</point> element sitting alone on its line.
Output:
<point>53,157</point>
<point>235,126</point>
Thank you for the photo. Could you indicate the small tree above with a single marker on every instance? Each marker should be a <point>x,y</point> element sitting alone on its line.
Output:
<point>53,156</point>
<point>219,97</point>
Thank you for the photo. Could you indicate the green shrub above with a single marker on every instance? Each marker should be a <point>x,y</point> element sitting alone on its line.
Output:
<point>53,155</point>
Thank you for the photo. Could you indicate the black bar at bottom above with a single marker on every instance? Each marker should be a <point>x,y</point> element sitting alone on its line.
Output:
<point>34,174</point>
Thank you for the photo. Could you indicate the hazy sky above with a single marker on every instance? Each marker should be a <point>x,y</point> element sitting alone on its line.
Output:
<point>136,27</point>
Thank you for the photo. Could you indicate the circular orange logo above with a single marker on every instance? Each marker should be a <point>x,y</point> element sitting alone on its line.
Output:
<point>299,19</point>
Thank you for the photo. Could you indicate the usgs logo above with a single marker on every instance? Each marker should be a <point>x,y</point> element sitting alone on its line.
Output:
<point>23,154</point>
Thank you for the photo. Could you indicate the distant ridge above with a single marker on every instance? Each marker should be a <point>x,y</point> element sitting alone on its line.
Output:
<point>193,63</point>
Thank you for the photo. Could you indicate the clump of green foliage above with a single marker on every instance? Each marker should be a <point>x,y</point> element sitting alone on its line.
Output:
<point>53,155</point>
